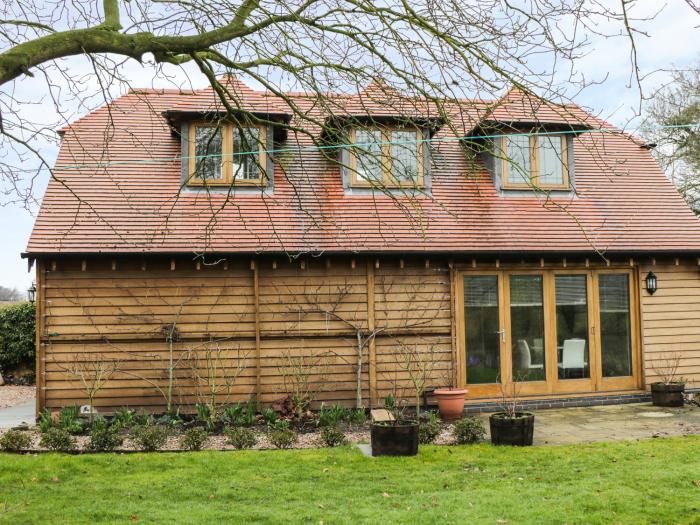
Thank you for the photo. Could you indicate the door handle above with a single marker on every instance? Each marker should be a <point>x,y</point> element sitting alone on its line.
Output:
<point>503,334</point>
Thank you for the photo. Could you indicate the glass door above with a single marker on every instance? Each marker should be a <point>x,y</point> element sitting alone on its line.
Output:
<point>574,352</point>
<point>483,333</point>
<point>616,331</point>
<point>551,331</point>
<point>526,332</point>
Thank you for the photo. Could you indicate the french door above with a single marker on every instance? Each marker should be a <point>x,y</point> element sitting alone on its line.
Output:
<point>550,331</point>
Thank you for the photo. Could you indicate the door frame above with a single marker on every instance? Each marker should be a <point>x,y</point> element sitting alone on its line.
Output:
<point>552,385</point>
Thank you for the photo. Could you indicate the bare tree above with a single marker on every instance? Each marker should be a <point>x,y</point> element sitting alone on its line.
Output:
<point>213,379</point>
<point>92,370</point>
<point>433,57</point>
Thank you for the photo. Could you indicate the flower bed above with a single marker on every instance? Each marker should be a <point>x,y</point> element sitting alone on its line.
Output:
<point>131,432</point>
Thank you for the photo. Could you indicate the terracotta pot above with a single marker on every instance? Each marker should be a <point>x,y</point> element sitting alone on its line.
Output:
<point>515,431</point>
<point>450,402</point>
<point>667,394</point>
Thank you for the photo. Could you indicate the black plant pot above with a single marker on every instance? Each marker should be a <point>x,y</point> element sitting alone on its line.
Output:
<point>667,394</point>
<point>400,439</point>
<point>515,431</point>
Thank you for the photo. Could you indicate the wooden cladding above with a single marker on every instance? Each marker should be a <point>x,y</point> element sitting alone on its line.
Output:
<point>670,319</point>
<point>251,315</point>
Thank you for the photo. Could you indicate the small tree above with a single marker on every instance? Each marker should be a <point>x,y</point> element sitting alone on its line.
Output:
<point>93,370</point>
<point>297,372</point>
<point>418,362</point>
<point>667,369</point>
<point>212,378</point>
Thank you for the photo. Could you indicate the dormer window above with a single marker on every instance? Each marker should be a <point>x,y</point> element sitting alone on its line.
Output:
<point>388,157</point>
<point>226,154</point>
<point>535,161</point>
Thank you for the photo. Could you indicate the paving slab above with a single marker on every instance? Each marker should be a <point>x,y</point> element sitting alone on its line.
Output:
<point>17,415</point>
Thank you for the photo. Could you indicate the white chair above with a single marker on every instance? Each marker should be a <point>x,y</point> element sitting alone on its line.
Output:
<point>523,358</point>
<point>573,355</point>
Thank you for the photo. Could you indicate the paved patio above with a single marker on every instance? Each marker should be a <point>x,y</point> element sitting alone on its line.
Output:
<point>562,426</point>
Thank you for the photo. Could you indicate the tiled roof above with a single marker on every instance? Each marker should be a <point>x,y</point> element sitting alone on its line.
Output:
<point>117,188</point>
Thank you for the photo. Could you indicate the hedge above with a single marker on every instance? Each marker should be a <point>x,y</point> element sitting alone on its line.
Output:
<point>17,336</point>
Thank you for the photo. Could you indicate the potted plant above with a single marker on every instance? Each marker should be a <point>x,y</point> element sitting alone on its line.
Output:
<point>450,399</point>
<point>398,435</point>
<point>668,392</point>
<point>511,426</point>
<point>395,434</point>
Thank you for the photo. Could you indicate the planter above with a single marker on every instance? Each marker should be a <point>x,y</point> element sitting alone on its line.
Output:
<point>400,439</point>
<point>450,402</point>
<point>515,431</point>
<point>667,394</point>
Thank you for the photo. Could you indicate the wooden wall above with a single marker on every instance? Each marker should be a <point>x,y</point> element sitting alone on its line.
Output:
<point>671,318</point>
<point>243,317</point>
<point>249,317</point>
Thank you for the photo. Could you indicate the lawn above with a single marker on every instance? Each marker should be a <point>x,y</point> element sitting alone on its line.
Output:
<point>655,481</point>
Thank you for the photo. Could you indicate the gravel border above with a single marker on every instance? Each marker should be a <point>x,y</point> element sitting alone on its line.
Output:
<point>12,395</point>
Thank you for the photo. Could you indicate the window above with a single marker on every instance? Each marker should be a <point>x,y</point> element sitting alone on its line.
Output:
<point>386,157</point>
<point>539,161</point>
<point>226,154</point>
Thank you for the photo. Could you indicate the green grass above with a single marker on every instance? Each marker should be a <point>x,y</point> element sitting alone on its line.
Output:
<point>626,482</point>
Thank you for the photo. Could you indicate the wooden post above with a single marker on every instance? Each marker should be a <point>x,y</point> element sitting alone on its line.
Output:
<point>256,293</point>
<point>39,299</point>
<point>370,328</point>
<point>453,325</point>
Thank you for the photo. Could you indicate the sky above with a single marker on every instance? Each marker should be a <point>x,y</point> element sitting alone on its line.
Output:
<point>666,42</point>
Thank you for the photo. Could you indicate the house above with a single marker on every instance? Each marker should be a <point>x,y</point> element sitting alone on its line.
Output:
<point>180,255</point>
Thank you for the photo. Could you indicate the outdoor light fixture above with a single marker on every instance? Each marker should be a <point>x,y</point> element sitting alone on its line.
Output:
<point>651,283</point>
<point>31,292</point>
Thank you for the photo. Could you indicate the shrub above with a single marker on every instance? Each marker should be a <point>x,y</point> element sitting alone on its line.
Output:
<point>59,439</point>
<point>45,420</point>
<point>172,419</point>
<point>104,439</point>
<point>331,416</point>
<point>240,437</point>
<point>468,430</point>
<point>17,336</point>
<point>269,416</point>
<point>233,414</point>
<point>15,441</point>
<point>281,436</point>
<point>358,416</point>
<point>332,436</point>
<point>123,418</point>
<point>194,439</point>
<point>69,420</point>
<point>149,437</point>
<point>429,429</point>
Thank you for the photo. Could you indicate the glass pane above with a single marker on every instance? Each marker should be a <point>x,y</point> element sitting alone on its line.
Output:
<point>572,326</point>
<point>404,155</point>
<point>207,152</point>
<point>482,328</point>
<point>550,160</point>
<point>527,327</point>
<point>368,155</point>
<point>615,342</point>
<point>518,159</point>
<point>246,153</point>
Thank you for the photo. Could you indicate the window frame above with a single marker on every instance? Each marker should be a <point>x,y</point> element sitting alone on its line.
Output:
<point>387,180</point>
<point>227,130</point>
<point>534,165</point>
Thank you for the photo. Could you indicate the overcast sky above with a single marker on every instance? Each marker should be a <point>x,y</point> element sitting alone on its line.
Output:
<point>671,41</point>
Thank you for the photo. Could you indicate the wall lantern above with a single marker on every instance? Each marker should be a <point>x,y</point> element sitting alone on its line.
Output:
<point>650,280</point>
<point>31,292</point>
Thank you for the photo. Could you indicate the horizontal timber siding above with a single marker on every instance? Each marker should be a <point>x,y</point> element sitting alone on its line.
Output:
<point>671,319</point>
<point>115,316</point>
